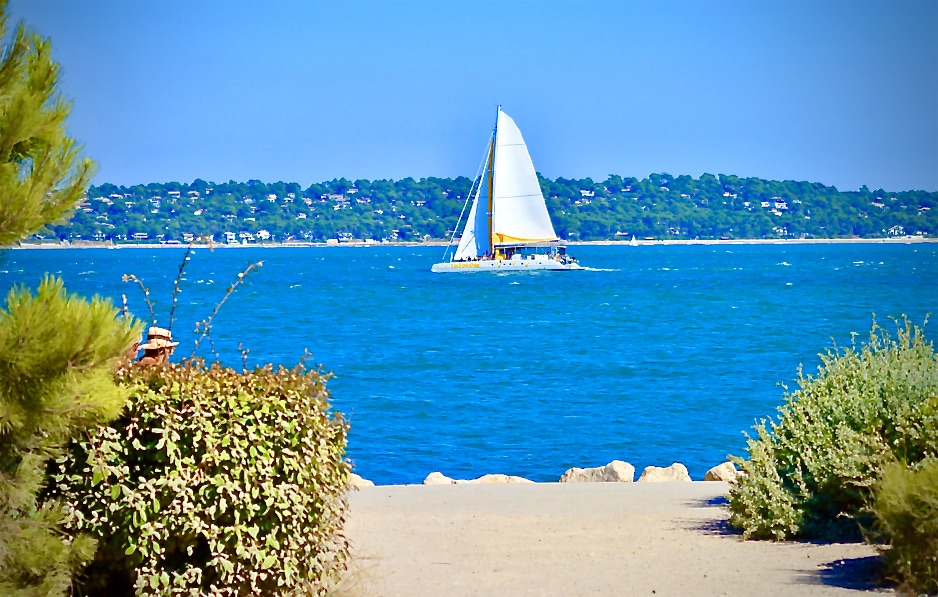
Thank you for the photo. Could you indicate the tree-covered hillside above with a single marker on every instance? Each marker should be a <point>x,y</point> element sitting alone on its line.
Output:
<point>660,206</point>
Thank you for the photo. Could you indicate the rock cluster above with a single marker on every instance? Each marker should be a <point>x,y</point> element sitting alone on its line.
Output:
<point>614,472</point>
<point>437,478</point>
<point>723,472</point>
<point>357,481</point>
<point>658,474</point>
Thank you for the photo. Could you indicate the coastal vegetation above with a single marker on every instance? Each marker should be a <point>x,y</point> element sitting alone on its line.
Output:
<point>906,510</point>
<point>212,480</point>
<point>57,350</point>
<point>171,479</point>
<point>57,357</point>
<point>853,445</point>
<point>42,174</point>
<point>660,206</point>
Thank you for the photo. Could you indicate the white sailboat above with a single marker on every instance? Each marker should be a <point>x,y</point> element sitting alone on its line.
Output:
<point>508,227</point>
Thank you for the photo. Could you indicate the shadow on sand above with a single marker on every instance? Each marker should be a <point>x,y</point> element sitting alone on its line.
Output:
<point>858,574</point>
<point>719,524</point>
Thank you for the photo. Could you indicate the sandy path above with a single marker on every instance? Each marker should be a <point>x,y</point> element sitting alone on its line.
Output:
<point>578,539</point>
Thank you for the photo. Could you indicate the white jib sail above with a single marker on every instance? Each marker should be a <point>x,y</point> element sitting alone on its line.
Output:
<point>474,241</point>
<point>520,214</point>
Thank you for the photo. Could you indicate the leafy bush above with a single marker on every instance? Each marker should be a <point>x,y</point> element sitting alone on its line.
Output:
<point>811,473</point>
<point>906,508</point>
<point>213,480</point>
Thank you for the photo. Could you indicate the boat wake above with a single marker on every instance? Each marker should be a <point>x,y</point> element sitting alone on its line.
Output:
<point>600,269</point>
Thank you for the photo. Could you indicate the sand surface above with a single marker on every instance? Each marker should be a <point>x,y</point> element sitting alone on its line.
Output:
<point>579,539</point>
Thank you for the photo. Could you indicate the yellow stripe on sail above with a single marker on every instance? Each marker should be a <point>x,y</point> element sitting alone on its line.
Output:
<point>504,239</point>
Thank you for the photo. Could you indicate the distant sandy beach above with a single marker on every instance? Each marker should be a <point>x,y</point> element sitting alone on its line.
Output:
<point>579,539</point>
<point>755,241</point>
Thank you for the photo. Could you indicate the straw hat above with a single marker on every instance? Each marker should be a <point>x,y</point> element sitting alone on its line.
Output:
<point>158,338</point>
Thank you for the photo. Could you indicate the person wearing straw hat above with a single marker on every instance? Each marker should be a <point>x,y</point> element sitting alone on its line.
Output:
<point>158,347</point>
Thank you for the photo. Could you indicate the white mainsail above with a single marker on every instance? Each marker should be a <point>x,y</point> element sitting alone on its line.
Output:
<point>519,211</point>
<point>508,228</point>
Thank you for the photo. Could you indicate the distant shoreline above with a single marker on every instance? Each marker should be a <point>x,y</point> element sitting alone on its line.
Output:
<point>905,240</point>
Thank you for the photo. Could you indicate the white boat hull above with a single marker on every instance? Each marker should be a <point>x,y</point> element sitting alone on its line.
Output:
<point>505,265</point>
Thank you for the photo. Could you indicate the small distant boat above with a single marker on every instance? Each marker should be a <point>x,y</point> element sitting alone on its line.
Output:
<point>633,242</point>
<point>508,227</point>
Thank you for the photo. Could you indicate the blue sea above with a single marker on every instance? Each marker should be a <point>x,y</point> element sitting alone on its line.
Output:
<point>658,354</point>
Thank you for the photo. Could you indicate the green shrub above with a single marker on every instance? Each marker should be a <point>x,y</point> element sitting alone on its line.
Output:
<point>213,480</point>
<point>906,509</point>
<point>811,473</point>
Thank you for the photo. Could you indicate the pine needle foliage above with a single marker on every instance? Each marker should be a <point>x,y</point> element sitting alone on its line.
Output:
<point>42,175</point>
<point>906,509</point>
<point>58,354</point>
<point>811,474</point>
<point>213,481</point>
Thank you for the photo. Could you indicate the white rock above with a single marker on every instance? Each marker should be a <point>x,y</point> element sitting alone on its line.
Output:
<point>357,481</point>
<point>583,475</point>
<point>614,472</point>
<point>618,472</point>
<point>723,472</point>
<point>657,474</point>
<point>485,479</point>
<point>437,478</point>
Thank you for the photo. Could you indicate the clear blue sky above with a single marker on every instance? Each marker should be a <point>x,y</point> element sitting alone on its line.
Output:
<point>843,92</point>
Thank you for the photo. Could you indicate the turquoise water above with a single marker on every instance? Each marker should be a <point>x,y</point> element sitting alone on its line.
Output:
<point>667,353</point>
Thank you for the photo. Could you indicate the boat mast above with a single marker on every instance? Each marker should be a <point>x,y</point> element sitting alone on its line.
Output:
<point>492,183</point>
